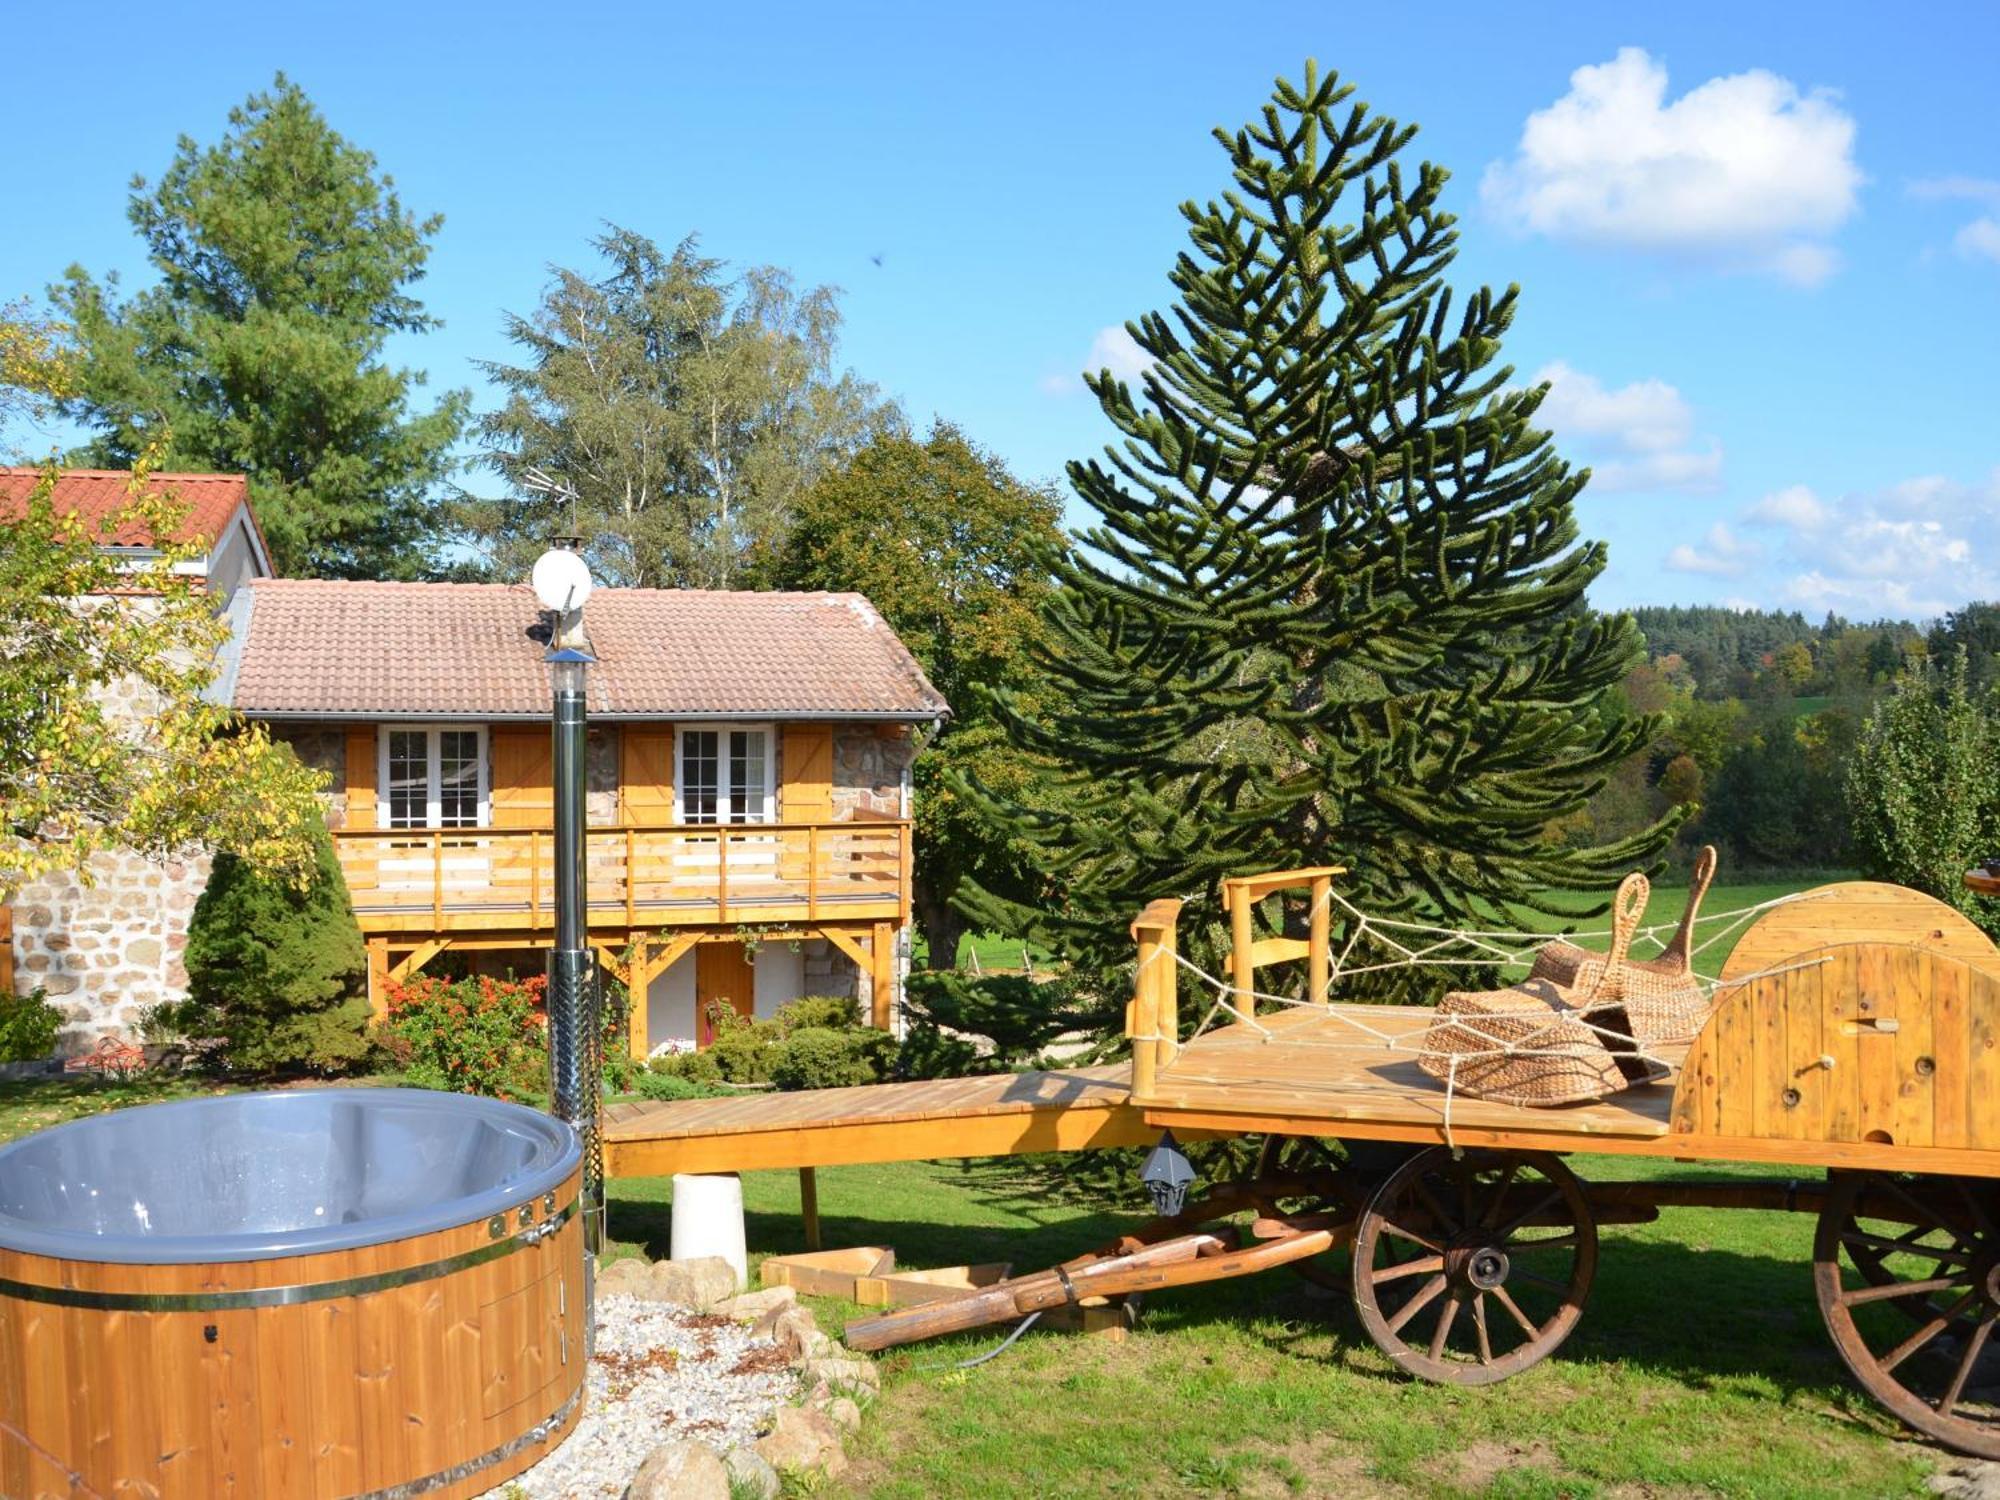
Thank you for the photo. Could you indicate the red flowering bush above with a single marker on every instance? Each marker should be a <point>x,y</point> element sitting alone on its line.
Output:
<point>469,1036</point>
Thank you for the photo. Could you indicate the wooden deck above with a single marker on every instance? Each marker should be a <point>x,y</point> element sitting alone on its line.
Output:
<point>999,1115</point>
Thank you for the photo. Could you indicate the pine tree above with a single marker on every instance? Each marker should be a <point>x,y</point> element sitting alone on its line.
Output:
<point>1332,606</point>
<point>284,262</point>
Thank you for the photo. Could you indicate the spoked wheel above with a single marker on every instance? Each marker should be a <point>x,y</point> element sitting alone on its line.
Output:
<point>1893,1252</point>
<point>1469,1270</point>
<point>1283,1157</point>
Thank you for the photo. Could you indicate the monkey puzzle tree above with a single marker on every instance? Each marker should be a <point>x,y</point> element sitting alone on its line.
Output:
<point>1331,609</point>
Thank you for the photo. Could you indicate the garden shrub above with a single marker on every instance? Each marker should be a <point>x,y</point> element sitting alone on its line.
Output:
<point>833,1012</point>
<point>1018,1015</point>
<point>469,1036</point>
<point>28,1027</point>
<point>696,1067</point>
<point>822,1057</point>
<point>672,1086</point>
<point>277,974</point>
<point>742,1047</point>
<point>928,1052</point>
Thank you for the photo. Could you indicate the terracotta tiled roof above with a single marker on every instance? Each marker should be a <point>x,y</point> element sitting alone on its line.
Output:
<point>308,648</point>
<point>99,494</point>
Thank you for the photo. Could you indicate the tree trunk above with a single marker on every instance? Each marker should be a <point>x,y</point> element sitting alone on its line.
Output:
<point>941,924</point>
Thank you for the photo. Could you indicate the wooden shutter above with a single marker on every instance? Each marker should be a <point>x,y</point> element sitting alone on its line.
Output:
<point>360,773</point>
<point>807,762</point>
<point>523,785</point>
<point>646,776</point>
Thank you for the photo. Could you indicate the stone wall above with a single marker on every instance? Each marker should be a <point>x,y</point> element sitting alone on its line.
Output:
<point>107,950</point>
<point>323,748</point>
<point>868,765</point>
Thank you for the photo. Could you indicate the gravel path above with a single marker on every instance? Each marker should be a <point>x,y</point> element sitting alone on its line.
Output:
<point>660,1372</point>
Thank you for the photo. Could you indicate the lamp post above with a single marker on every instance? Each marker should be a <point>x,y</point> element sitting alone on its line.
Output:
<point>562,583</point>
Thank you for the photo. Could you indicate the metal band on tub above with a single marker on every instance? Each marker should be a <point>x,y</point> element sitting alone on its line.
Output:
<point>286,1296</point>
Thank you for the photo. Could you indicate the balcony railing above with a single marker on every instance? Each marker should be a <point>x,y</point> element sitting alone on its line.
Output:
<point>459,879</point>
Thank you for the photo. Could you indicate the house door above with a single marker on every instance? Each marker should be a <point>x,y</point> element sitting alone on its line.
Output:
<point>722,976</point>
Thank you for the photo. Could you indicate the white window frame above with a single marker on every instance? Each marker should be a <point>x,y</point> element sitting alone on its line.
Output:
<point>433,764</point>
<point>724,793</point>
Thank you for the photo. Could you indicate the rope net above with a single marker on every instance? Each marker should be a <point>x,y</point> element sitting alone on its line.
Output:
<point>1381,944</point>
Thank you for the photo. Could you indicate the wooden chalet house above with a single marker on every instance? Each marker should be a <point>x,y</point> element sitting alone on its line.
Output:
<point>749,781</point>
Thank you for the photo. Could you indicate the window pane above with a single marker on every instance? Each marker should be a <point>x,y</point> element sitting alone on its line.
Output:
<point>746,776</point>
<point>698,775</point>
<point>458,778</point>
<point>409,778</point>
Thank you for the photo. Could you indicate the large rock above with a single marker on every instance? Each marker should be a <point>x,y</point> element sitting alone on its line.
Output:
<point>699,1283</point>
<point>804,1441</point>
<point>792,1329</point>
<point>843,1413</point>
<point>750,1474</point>
<point>623,1277</point>
<point>680,1470</point>
<point>757,1304</point>
<point>845,1374</point>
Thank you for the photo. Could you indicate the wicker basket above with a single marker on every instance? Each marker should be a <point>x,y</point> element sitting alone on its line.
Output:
<point>1565,1045</point>
<point>1663,999</point>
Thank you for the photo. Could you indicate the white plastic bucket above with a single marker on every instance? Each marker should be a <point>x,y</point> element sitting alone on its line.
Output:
<point>708,1220</point>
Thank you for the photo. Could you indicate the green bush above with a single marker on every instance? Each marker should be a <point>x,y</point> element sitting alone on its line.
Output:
<point>927,1052</point>
<point>469,1036</point>
<point>832,1012</point>
<point>742,1047</point>
<point>1018,1015</point>
<point>672,1086</point>
<point>277,974</point>
<point>822,1057</point>
<point>696,1067</point>
<point>28,1027</point>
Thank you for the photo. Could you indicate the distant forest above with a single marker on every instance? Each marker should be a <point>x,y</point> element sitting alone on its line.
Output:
<point>1759,713</point>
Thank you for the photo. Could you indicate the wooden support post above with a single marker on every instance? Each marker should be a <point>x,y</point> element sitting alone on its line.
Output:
<point>1242,966</point>
<point>809,1205</point>
<point>638,1039</point>
<point>1152,1020</point>
<point>437,881</point>
<point>1319,955</point>
<point>416,958</point>
<point>882,951</point>
<point>378,977</point>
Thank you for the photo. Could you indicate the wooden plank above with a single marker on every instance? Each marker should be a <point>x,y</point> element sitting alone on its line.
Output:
<point>1803,1050</point>
<point>805,762</point>
<point>1952,990</point>
<point>1912,1112</point>
<point>1982,1109</point>
<point>882,990</point>
<point>1278,950</point>
<point>1856,911</point>
<point>523,790</point>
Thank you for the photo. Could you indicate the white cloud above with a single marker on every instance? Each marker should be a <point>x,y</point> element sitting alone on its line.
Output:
<point>1722,554</point>
<point>1914,549</point>
<point>1744,171</point>
<point>1979,240</point>
<point>1637,436</point>
<point>1112,349</point>
<point>1795,507</point>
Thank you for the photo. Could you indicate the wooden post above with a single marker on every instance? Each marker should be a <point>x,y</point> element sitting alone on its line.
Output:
<point>905,874</point>
<point>882,953</point>
<point>534,878</point>
<point>638,1038</point>
<point>437,881</point>
<point>809,1205</point>
<point>1319,955</point>
<point>812,872</point>
<point>6,950</point>
<point>1242,966</point>
<point>1152,1021</point>
<point>378,977</point>
<point>629,867</point>
<point>721,873</point>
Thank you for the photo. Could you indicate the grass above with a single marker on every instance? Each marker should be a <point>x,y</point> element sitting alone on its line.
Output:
<point>1700,1367</point>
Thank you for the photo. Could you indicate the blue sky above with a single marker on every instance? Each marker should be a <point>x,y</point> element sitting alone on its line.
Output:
<point>1759,245</point>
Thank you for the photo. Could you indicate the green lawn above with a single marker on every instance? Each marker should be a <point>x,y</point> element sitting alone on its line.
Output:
<point>1700,1368</point>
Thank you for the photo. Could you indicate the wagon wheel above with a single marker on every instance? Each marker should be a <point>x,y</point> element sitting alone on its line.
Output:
<point>1471,1269</point>
<point>1930,1252</point>
<point>1305,1156</point>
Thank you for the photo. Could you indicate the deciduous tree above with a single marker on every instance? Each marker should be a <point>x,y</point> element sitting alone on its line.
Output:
<point>688,410</point>
<point>107,737</point>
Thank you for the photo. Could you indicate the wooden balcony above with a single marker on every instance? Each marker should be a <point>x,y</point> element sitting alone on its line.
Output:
<point>430,882</point>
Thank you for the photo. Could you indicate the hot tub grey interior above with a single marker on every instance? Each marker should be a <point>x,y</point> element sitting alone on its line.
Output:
<point>246,1176</point>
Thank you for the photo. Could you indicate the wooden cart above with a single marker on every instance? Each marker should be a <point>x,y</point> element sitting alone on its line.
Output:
<point>1857,1030</point>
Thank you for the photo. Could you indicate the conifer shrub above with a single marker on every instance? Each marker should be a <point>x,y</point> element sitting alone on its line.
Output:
<point>277,973</point>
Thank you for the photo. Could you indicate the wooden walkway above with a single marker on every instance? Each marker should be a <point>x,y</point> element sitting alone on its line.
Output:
<point>1000,1115</point>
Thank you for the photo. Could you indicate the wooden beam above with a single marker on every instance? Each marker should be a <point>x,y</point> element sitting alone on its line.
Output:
<point>416,958</point>
<point>809,1205</point>
<point>1242,961</point>
<point>1319,946</point>
<point>883,996</point>
<point>1260,886</point>
<point>846,942</point>
<point>1278,950</point>
<point>378,977</point>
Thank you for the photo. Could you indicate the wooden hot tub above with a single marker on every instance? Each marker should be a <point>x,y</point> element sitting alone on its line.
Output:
<point>333,1292</point>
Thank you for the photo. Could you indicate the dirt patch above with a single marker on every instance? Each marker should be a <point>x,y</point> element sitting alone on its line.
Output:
<point>1477,1465</point>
